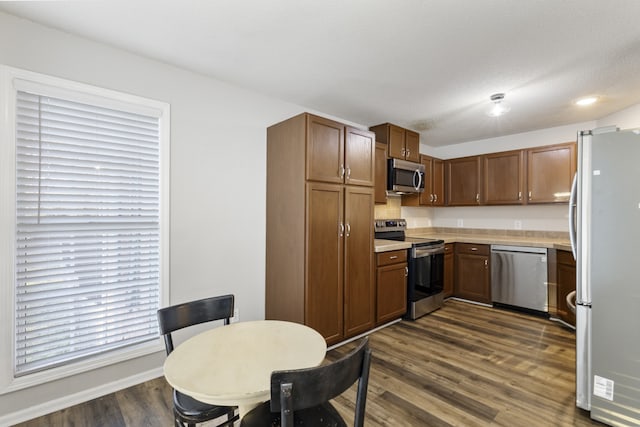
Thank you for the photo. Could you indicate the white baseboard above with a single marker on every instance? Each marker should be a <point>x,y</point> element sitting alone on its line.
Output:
<point>80,397</point>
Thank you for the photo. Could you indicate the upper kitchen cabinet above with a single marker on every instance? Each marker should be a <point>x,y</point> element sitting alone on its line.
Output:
<point>339,154</point>
<point>380,184</point>
<point>503,178</point>
<point>319,229</point>
<point>433,194</point>
<point>403,143</point>
<point>550,172</point>
<point>463,178</point>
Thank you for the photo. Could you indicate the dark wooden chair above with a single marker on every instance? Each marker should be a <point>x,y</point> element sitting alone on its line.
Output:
<point>301,397</point>
<point>185,408</point>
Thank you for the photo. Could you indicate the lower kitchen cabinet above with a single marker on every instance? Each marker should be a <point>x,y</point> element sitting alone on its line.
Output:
<point>566,280</point>
<point>472,272</point>
<point>449,263</point>
<point>391,285</point>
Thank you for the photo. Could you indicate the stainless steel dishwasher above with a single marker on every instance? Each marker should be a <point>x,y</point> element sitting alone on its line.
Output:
<point>519,277</point>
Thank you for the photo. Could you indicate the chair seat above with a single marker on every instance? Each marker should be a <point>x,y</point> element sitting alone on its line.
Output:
<point>324,415</point>
<point>192,409</point>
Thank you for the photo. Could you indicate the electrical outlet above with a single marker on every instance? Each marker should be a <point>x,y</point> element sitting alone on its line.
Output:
<point>460,223</point>
<point>236,316</point>
<point>517,224</point>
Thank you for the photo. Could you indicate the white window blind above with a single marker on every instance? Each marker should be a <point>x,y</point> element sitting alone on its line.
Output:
<point>87,230</point>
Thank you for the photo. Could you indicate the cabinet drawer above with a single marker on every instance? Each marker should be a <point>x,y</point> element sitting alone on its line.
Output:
<point>470,248</point>
<point>391,257</point>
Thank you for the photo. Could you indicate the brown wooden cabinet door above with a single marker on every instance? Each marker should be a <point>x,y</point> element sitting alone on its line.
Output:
<point>324,260</point>
<point>448,270</point>
<point>566,279</point>
<point>391,281</point>
<point>473,276</point>
<point>412,146</point>
<point>550,172</point>
<point>396,141</point>
<point>463,181</point>
<point>359,149</point>
<point>381,173</point>
<point>503,178</point>
<point>325,150</point>
<point>437,182</point>
<point>359,282</point>
<point>426,197</point>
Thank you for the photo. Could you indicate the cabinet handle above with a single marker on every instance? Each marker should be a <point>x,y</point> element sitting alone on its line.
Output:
<point>404,152</point>
<point>348,229</point>
<point>408,153</point>
<point>406,271</point>
<point>341,230</point>
<point>486,263</point>
<point>430,198</point>
<point>435,198</point>
<point>393,257</point>
<point>348,172</point>
<point>341,171</point>
<point>477,197</point>
<point>474,249</point>
<point>519,195</point>
<point>529,195</point>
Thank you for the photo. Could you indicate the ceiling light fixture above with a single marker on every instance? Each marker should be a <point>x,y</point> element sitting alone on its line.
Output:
<point>583,102</point>
<point>498,106</point>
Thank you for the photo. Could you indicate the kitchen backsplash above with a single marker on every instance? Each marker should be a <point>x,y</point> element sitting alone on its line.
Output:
<point>546,218</point>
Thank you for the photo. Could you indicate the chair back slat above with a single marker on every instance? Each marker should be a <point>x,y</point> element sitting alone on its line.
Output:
<point>191,313</point>
<point>314,386</point>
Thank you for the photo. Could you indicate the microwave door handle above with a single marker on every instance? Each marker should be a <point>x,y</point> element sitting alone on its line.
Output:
<point>417,172</point>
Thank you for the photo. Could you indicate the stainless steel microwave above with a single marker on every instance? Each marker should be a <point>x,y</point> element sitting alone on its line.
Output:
<point>404,177</point>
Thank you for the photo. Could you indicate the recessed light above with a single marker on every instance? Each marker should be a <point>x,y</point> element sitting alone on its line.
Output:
<point>583,102</point>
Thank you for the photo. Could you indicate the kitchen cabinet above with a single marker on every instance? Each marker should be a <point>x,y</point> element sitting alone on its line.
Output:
<point>503,178</point>
<point>463,178</point>
<point>550,172</point>
<point>566,283</point>
<point>319,229</point>
<point>449,270</point>
<point>402,143</point>
<point>433,194</point>
<point>380,184</point>
<point>472,272</point>
<point>339,154</point>
<point>391,285</point>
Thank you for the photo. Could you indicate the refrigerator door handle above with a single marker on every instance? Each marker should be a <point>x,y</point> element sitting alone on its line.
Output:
<point>572,215</point>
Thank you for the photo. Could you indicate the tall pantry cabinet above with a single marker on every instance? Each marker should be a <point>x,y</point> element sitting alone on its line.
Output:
<point>319,254</point>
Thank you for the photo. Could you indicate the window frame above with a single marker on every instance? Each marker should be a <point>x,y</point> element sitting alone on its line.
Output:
<point>12,80</point>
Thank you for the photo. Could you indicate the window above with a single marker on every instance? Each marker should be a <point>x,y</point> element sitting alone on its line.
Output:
<point>89,223</point>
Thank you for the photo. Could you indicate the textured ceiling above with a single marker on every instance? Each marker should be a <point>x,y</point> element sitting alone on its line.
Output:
<point>429,65</point>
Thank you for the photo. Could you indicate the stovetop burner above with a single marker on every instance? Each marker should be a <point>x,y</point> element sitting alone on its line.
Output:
<point>394,229</point>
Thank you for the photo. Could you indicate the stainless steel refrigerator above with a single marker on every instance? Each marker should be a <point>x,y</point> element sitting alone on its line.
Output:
<point>604,222</point>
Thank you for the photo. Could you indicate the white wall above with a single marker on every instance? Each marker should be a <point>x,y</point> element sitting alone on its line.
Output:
<point>218,137</point>
<point>625,119</point>
<point>539,217</point>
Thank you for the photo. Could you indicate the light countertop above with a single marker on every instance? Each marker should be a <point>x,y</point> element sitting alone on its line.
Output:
<point>480,239</point>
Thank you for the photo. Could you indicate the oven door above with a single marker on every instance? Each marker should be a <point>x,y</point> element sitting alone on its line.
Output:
<point>426,272</point>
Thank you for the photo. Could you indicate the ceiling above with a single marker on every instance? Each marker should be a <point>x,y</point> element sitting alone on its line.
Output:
<point>429,65</point>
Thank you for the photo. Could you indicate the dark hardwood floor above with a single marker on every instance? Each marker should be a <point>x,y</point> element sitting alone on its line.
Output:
<point>463,365</point>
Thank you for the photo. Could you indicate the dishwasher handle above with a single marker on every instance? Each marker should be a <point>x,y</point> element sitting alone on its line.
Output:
<point>519,249</point>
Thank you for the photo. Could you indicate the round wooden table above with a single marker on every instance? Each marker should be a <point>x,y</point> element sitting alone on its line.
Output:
<point>231,365</point>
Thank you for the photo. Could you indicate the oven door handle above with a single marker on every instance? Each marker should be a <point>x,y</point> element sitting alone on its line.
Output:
<point>424,252</point>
